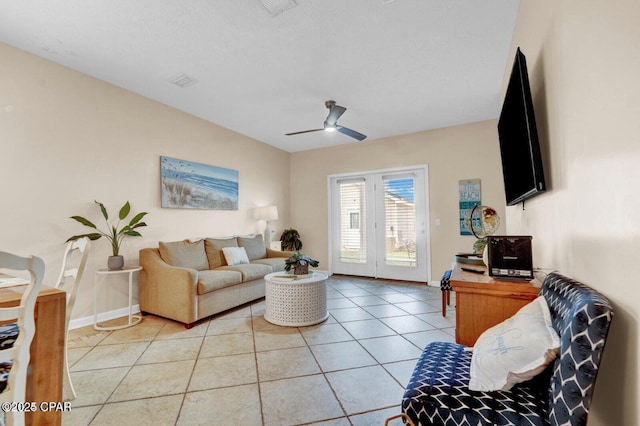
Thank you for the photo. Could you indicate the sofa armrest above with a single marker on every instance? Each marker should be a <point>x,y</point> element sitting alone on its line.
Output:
<point>166,290</point>
<point>278,253</point>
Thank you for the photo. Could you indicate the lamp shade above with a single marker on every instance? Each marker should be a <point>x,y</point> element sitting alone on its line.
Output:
<point>267,213</point>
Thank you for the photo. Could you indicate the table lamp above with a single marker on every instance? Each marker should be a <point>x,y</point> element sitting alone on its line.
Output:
<point>267,213</point>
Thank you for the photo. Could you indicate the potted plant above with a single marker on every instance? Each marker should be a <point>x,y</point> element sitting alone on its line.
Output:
<point>114,234</point>
<point>290,240</point>
<point>300,263</point>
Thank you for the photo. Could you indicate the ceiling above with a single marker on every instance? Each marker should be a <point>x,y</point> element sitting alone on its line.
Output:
<point>398,66</point>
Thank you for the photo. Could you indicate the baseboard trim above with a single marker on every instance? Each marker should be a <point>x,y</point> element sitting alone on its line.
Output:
<point>104,316</point>
<point>434,283</point>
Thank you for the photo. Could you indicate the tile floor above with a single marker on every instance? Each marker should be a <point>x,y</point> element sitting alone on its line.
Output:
<point>236,368</point>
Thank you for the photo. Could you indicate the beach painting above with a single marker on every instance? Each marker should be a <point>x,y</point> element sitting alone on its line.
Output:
<point>189,185</point>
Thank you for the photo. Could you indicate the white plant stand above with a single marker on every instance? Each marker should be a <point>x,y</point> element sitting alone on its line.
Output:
<point>133,319</point>
<point>295,303</point>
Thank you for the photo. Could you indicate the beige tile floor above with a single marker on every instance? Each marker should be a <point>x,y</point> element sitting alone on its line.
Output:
<point>236,368</point>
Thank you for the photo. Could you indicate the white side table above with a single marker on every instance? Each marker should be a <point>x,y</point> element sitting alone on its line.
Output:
<point>133,319</point>
<point>296,303</point>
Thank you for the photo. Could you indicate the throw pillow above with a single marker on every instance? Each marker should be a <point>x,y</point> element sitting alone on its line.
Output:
<point>515,350</point>
<point>235,255</point>
<point>213,247</point>
<point>254,245</point>
<point>184,254</point>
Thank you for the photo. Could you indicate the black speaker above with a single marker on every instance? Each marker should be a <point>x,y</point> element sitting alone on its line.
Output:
<point>510,257</point>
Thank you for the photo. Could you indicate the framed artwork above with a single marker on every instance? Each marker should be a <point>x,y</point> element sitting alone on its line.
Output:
<point>190,185</point>
<point>469,190</point>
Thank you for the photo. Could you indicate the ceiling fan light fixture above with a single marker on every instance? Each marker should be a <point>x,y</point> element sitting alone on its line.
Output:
<point>330,128</point>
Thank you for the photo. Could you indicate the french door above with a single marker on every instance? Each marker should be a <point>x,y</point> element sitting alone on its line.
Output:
<point>379,224</point>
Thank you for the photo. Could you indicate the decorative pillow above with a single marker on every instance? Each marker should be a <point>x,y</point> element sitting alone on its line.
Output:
<point>213,247</point>
<point>235,255</point>
<point>184,254</point>
<point>254,245</point>
<point>515,350</point>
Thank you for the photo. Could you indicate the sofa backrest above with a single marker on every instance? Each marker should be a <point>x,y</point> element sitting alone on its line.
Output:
<point>582,317</point>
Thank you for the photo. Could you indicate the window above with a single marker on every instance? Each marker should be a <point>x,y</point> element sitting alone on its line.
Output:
<point>355,220</point>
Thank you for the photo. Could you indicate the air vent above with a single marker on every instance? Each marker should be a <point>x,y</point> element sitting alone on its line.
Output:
<point>183,80</point>
<point>276,7</point>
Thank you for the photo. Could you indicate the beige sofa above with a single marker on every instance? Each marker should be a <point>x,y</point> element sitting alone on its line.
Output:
<point>187,281</point>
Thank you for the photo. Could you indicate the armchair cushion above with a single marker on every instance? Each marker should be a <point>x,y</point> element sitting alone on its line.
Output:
<point>438,393</point>
<point>184,254</point>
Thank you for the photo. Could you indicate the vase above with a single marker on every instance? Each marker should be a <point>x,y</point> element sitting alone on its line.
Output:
<point>301,269</point>
<point>115,262</point>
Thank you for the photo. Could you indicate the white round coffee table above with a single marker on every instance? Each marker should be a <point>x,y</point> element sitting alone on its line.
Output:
<point>295,302</point>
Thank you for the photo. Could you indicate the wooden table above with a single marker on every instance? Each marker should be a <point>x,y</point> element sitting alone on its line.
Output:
<point>482,302</point>
<point>44,379</point>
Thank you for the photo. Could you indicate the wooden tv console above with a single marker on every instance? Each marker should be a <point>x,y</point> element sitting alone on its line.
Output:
<point>482,302</point>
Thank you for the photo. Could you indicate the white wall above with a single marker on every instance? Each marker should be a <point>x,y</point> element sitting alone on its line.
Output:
<point>67,139</point>
<point>584,65</point>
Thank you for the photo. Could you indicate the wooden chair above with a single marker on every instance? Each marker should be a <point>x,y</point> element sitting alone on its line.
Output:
<point>17,353</point>
<point>69,281</point>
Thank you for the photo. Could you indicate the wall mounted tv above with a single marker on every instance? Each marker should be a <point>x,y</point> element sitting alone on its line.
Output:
<point>519,147</point>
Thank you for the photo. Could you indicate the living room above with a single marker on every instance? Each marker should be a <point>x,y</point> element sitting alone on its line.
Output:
<point>70,139</point>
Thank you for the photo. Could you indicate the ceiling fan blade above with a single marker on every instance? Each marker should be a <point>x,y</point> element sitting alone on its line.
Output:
<point>335,113</point>
<point>304,131</point>
<point>352,133</point>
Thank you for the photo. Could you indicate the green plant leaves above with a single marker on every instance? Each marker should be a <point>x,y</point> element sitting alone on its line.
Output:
<point>103,210</point>
<point>290,240</point>
<point>137,218</point>
<point>298,258</point>
<point>114,235</point>
<point>124,211</point>
<point>92,237</point>
<point>84,221</point>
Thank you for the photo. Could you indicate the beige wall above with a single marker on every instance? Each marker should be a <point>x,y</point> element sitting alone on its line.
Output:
<point>464,152</point>
<point>67,139</point>
<point>584,65</point>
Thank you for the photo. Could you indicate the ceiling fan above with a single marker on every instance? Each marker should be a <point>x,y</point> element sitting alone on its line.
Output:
<point>331,123</point>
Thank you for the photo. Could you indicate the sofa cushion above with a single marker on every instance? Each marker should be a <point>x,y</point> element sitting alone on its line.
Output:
<point>184,254</point>
<point>213,248</point>
<point>249,271</point>
<point>254,244</point>
<point>235,255</point>
<point>276,263</point>
<point>214,280</point>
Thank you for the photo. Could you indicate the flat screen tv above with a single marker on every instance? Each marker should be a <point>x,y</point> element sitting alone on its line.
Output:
<point>519,146</point>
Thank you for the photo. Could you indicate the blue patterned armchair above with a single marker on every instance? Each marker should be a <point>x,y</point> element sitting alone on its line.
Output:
<point>438,391</point>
